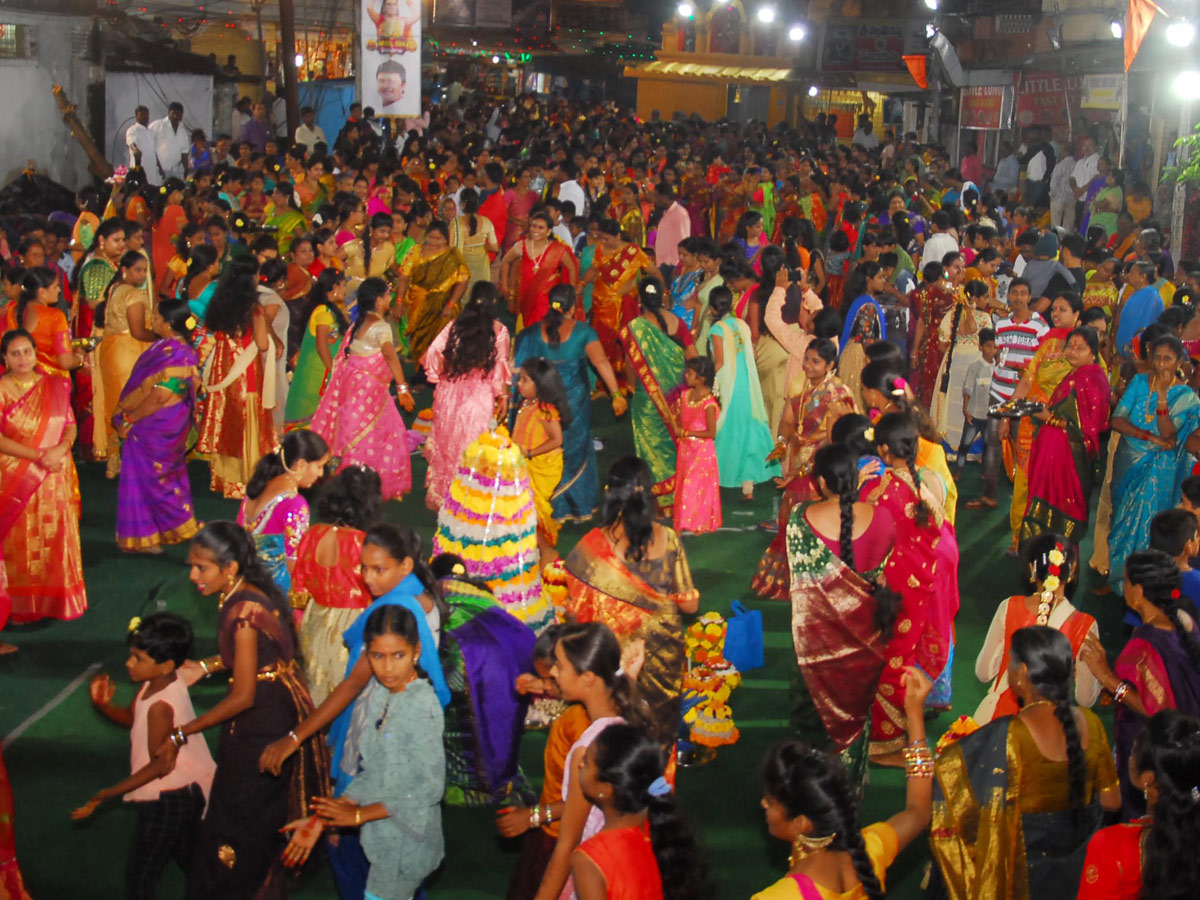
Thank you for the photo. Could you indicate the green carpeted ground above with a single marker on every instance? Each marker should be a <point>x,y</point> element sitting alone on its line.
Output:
<point>69,752</point>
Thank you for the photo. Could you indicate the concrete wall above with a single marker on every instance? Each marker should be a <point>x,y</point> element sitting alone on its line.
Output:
<point>30,124</point>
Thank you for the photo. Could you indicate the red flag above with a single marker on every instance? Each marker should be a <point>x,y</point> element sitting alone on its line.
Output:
<point>1137,23</point>
<point>916,68</point>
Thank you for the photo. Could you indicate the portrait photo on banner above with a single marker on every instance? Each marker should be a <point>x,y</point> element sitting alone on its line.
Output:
<point>391,56</point>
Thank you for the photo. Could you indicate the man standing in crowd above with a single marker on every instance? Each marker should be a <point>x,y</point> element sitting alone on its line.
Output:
<point>171,142</point>
<point>140,143</point>
<point>308,132</point>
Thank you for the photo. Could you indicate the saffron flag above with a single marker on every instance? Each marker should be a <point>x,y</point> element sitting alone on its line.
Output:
<point>916,68</point>
<point>1137,23</point>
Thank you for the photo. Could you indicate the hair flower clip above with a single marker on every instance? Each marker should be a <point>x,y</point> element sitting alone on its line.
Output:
<point>1056,556</point>
<point>556,305</point>
<point>1175,595</point>
<point>458,569</point>
<point>134,624</point>
<point>163,189</point>
<point>190,322</point>
<point>659,787</point>
<point>869,434</point>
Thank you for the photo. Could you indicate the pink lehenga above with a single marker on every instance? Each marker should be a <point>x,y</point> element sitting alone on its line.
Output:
<point>358,417</point>
<point>463,407</point>
<point>697,497</point>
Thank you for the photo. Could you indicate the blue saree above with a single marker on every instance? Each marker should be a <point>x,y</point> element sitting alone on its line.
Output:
<point>1146,478</point>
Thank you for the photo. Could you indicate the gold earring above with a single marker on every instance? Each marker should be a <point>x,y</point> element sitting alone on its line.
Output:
<point>804,846</point>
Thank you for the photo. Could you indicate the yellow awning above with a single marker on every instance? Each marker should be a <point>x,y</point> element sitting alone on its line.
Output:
<point>688,71</point>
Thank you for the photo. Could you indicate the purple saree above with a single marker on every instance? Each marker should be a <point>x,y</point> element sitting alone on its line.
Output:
<point>154,497</point>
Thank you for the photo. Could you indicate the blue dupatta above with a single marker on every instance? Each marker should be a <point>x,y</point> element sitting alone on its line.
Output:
<point>853,313</point>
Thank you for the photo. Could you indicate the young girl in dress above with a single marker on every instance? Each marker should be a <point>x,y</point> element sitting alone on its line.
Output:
<point>395,799</point>
<point>326,583</point>
<point>169,802</point>
<point>538,431</point>
<point>273,511</point>
<point>588,669</point>
<point>697,497</point>
<point>468,361</point>
<point>396,574</point>
<point>357,414</point>
<point>622,774</point>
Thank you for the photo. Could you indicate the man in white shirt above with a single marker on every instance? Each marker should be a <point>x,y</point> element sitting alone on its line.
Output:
<point>865,135</point>
<point>940,242</point>
<point>279,116</point>
<point>1062,197</point>
<point>171,142</point>
<point>1086,168</point>
<point>140,142</point>
<point>569,188</point>
<point>308,132</point>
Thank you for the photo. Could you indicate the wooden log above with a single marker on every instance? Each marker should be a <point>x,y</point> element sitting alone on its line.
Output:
<point>97,164</point>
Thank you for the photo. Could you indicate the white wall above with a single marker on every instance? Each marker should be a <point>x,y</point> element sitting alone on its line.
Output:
<point>31,126</point>
<point>126,91</point>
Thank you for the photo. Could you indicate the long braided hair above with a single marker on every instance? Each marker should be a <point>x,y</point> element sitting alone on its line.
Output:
<point>898,432</point>
<point>1169,746</point>
<point>1047,656</point>
<point>974,288</point>
<point>809,783</point>
<point>1157,574</point>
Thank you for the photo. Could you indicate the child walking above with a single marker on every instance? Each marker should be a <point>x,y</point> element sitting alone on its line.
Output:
<point>538,431</point>
<point>169,802</point>
<point>697,497</point>
<point>395,799</point>
<point>976,391</point>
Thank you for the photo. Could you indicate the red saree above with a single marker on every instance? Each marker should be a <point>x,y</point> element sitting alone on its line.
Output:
<point>936,301</point>
<point>538,275</point>
<point>39,509</point>
<point>12,887</point>
<point>910,572</point>
<point>1060,461</point>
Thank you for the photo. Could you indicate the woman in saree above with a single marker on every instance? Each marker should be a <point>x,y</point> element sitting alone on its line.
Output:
<point>168,219</point>
<point>198,281</point>
<point>309,190</point>
<point>1154,855</point>
<point>468,362</point>
<point>770,356</point>
<point>127,333</point>
<point>519,201</point>
<point>1052,565</point>
<point>236,428</point>
<point>1159,666</point>
<point>958,340</point>
<point>686,283</point>
<point>632,574</point>
<point>708,258</point>
<point>1064,451</point>
<point>1154,417</point>
<point>864,325</point>
<point>152,419</point>
<point>39,488</point>
<point>696,196</point>
<point>357,414</point>
<point>936,298</point>
<point>1016,802</point>
<point>1039,380</point>
<point>570,346</point>
<point>532,267</point>
<point>842,614</point>
<point>732,197</point>
<point>915,504</point>
<point>322,342</point>
<point>36,311</point>
<point>1105,198</point>
<point>283,219</point>
<point>614,276</point>
<point>238,852</point>
<point>373,255</point>
<point>433,278</point>
<point>474,237</point>
<point>743,438</point>
<point>11,883</point>
<point>90,281</point>
<point>804,429</point>
<point>656,344</point>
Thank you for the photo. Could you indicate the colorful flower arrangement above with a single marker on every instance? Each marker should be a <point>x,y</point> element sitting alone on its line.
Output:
<point>711,678</point>
<point>959,729</point>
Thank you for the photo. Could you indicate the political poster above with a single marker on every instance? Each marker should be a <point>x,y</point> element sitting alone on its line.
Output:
<point>390,51</point>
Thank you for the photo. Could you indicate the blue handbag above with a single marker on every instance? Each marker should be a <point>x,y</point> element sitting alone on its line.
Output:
<point>744,637</point>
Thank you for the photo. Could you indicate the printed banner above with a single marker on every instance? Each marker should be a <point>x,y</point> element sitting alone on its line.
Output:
<point>1042,99</point>
<point>1102,91</point>
<point>983,107</point>
<point>390,50</point>
<point>869,45</point>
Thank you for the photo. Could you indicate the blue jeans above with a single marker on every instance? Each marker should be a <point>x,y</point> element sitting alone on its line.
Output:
<point>987,429</point>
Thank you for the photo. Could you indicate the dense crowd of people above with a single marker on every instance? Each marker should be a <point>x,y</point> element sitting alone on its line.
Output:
<point>846,326</point>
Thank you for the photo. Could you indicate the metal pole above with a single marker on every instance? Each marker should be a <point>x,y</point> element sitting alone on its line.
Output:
<point>291,90</point>
<point>1180,199</point>
<point>262,53</point>
<point>1124,123</point>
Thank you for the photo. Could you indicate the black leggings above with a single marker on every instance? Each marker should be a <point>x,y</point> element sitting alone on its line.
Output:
<point>166,829</point>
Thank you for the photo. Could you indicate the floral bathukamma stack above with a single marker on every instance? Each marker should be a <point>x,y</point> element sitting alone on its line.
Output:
<point>710,678</point>
<point>489,521</point>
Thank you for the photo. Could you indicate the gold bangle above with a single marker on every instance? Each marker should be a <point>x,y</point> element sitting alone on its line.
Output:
<point>358,817</point>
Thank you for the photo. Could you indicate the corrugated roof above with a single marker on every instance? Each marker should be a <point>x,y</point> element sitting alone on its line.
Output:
<point>692,71</point>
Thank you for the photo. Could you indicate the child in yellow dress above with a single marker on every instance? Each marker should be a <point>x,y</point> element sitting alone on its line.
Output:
<point>538,431</point>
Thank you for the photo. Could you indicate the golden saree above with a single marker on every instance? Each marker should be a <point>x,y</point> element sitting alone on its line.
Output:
<point>431,281</point>
<point>39,509</point>
<point>637,600</point>
<point>115,358</point>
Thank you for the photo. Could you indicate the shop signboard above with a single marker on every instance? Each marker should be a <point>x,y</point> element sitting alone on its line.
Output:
<point>1102,91</point>
<point>1042,97</point>
<point>868,45</point>
<point>390,50</point>
<point>985,106</point>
